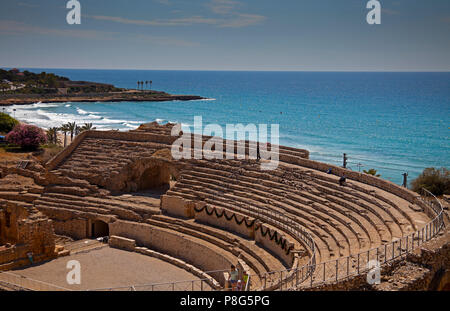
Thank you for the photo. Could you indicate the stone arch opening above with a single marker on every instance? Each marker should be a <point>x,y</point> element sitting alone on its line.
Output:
<point>155,176</point>
<point>99,229</point>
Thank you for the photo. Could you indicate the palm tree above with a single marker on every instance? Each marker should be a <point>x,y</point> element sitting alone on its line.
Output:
<point>87,127</point>
<point>52,135</point>
<point>146,84</point>
<point>72,126</point>
<point>151,84</point>
<point>64,128</point>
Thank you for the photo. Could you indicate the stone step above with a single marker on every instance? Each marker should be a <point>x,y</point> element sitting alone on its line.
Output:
<point>265,259</point>
<point>246,199</point>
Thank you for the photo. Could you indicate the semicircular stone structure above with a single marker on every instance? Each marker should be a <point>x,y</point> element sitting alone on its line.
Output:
<point>282,226</point>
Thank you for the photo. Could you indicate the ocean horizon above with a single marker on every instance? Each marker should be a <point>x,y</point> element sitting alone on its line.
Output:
<point>394,122</point>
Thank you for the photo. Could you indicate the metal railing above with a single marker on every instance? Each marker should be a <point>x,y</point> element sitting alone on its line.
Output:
<point>271,280</point>
<point>186,285</point>
<point>347,267</point>
<point>310,275</point>
<point>26,283</point>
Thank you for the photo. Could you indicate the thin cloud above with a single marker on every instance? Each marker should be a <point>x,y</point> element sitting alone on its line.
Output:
<point>18,28</point>
<point>223,6</point>
<point>166,2</point>
<point>235,21</point>
<point>28,5</point>
<point>157,22</point>
<point>390,12</point>
<point>243,20</point>
<point>224,13</point>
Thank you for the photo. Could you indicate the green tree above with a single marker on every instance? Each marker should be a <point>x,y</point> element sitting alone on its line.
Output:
<point>372,172</point>
<point>52,135</point>
<point>72,126</point>
<point>87,127</point>
<point>65,129</point>
<point>7,123</point>
<point>435,180</point>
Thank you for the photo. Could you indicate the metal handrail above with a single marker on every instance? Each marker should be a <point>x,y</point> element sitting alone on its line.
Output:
<point>430,230</point>
<point>329,270</point>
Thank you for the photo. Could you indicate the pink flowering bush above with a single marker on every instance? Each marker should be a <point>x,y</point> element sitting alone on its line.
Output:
<point>27,136</point>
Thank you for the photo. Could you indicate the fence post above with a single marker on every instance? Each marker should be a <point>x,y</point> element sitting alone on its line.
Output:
<point>407,244</point>
<point>337,265</point>
<point>358,264</point>
<point>348,266</point>
<point>324,277</point>
<point>281,280</point>
<point>385,253</point>
<point>393,250</point>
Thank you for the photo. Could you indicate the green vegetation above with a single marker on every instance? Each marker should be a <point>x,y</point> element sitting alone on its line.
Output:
<point>7,123</point>
<point>437,181</point>
<point>372,172</point>
<point>47,83</point>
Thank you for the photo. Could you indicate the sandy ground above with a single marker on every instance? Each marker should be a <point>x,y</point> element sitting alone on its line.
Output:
<point>61,139</point>
<point>108,267</point>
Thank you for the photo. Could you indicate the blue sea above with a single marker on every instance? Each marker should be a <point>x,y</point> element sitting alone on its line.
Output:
<point>393,122</point>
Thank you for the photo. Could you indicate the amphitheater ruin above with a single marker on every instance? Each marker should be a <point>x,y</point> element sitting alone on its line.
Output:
<point>293,228</point>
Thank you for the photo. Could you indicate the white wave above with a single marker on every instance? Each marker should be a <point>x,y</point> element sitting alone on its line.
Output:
<point>68,105</point>
<point>81,111</point>
<point>94,116</point>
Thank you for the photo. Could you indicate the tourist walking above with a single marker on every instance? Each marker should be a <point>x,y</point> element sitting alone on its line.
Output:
<point>233,277</point>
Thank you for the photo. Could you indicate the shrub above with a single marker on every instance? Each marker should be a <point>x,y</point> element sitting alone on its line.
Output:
<point>372,172</point>
<point>7,123</point>
<point>437,181</point>
<point>28,137</point>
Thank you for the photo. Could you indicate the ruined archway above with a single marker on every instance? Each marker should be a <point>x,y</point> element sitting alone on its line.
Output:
<point>146,173</point>
<point>99,229</point>
<point>155,176</point>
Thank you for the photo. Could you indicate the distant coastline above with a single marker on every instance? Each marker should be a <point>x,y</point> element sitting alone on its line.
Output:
<point>24,88</point>
<point>132,96</point>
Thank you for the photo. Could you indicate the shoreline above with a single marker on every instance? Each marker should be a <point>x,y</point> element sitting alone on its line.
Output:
<point>133,96</point>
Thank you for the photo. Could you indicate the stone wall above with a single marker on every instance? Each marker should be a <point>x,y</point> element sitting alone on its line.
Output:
<point>225,219</point>
<point>275,242</point>
<point>177,206</point>
<point>10,214</point>
<point>268,237</point>
<point>122,243</point>
<point>175,245</point>
<point>28,232</point>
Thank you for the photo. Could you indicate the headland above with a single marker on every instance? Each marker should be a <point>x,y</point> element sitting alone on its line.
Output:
<point>24,88</point>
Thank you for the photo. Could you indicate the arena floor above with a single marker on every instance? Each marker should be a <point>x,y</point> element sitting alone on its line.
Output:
<point>106,268</point>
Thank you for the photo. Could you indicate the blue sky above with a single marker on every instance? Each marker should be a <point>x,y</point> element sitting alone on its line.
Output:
<point>313,35</point>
